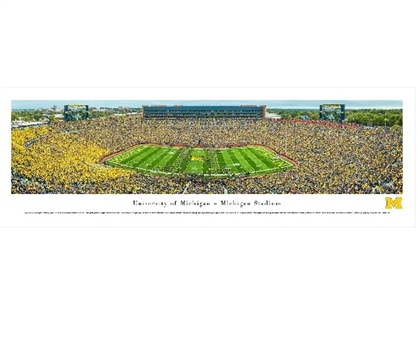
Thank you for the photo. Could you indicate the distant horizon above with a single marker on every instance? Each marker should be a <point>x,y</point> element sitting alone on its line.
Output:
<point>273,104</point>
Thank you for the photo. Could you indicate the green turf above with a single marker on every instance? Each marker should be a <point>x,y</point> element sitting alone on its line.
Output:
<point>209,163</point>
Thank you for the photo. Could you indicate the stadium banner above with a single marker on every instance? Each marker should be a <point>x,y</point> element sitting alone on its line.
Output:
<point>242,157</point>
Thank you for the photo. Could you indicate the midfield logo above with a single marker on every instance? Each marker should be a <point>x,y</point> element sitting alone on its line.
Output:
<point>396,203</point>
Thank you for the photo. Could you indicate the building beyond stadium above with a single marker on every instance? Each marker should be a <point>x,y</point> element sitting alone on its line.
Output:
<point>204,111</point>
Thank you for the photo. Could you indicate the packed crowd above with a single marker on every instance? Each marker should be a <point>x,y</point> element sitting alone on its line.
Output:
<point>64,157</point>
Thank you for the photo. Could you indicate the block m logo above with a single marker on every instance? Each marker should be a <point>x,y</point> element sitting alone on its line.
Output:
<point>396,203</point>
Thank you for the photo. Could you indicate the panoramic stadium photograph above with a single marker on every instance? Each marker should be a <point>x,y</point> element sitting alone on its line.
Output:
<point>206,147</point>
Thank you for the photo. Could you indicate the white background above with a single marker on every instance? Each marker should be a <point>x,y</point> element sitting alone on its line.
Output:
<point>206,292</point>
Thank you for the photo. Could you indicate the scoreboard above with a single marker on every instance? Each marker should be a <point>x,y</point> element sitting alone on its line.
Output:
<point>332,112</point>
<point>76,112</point>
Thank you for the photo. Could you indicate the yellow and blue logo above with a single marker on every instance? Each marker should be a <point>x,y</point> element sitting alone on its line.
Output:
<point>396,203</point>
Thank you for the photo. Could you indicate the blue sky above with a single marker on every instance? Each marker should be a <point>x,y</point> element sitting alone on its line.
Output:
<point>289,104</point>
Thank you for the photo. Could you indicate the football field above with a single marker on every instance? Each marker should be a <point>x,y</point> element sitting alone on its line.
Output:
<point>206,162</point>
